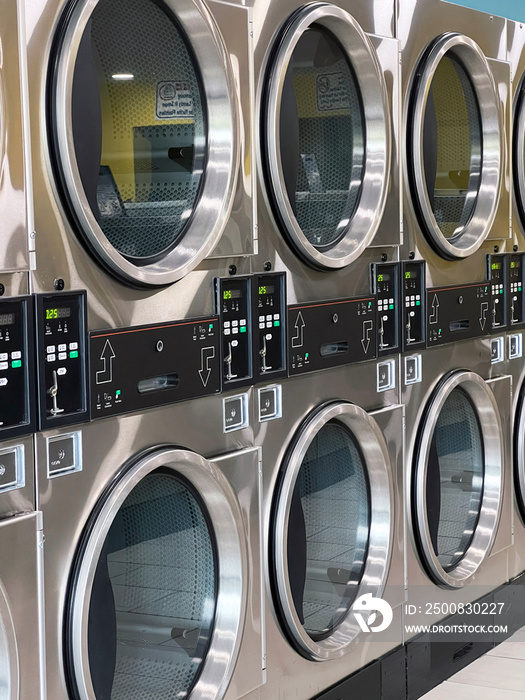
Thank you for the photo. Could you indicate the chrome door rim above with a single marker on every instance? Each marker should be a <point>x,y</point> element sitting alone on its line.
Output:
<point>475,63</point>
<point>362,57</point>
<point>10,673</point>
<point>519,429</point>
<point>226,518</point>
<point>215,201</point>
<point>487,413</point>
<point>519,155</point>
<point>379,471</point>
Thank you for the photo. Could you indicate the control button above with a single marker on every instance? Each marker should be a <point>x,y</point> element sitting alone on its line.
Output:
<point>269,403</point>
<point>73,354</point>
<point>235,330</point>
<point>16,364</point>
<point>64,454</point>
<point>235,323</point>
<point>50,348</point>
<point>62,348</point>
<point>17,355</point>
<point>3,381</point>
<point>62,355</point>
<point>4,356</point>
<point>242,321</point>
<point>496,350</point>
<point>515,348</point>
<point>276,317</point>
<point>73,346</point>
<point>412,369</point>
<point>243,329</point>
<point>261,319</point>
<point>4,365</point>
<point>269,317</point>
<point>386,375</point>
<point>227,324</point>
<point>61,371</point>
<point>262,325</point>
<point>269,324</point>
<point>227,331</point>
<point>11,468</point>
<point>51,358</point>
<point>235,412</point>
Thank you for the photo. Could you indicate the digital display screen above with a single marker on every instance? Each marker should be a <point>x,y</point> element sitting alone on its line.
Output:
<point>266,289</point>
<point>383,277</point>
<point>7,319</point>
<point>232,294</point>
<point>496,266</point>
<point>58,313</point>
<point>515,264</point>
<point>411,275</point>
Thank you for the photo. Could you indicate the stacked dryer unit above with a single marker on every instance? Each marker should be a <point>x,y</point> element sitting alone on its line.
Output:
<point>21,668</point>
<point>141,142</point>
<point>458,484</point>
<point>327,74</point>
<point>515,361</point>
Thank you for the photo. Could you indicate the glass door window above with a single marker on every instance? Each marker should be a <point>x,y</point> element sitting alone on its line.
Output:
<point>333,506</point>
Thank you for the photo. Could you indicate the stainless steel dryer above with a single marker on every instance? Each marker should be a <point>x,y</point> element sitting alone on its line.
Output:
<point>332,462</point>
<point>456,121</point>
<point>152,555</point>
<point>458,483</point>
<point>21,639</point>
<point>328,197</point>
<point>141,144</point>
<point>15,239</point>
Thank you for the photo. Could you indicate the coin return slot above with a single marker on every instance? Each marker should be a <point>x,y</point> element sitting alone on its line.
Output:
<point>160,383</point>
<point>459,325</point>
<point>330,349</point>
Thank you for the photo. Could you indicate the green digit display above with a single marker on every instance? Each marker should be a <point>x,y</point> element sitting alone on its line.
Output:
<point>227,294</point>
<point>380,278</point>
<point>408,275</point>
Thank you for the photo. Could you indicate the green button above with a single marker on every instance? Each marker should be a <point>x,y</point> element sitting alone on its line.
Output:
<point>73,353</point>
<point>501,291</point>
<point>16,363</point>
<point>243,329</point>
<point>391,306</point>
<point>276,323</point>
<point>418,303</point>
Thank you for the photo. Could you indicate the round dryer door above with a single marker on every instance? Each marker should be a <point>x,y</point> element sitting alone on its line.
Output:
<point>332,528</point>
<point>519,451</point>
<point>9,667</point>
<point>454,139</point>
<point>327,136</point>
<point>457,479</point>
<point>158,589</point>
<point>519,150</point>
<point>143,133</point>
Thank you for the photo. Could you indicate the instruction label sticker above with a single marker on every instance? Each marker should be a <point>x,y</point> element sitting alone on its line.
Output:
<point>174,100</point>
<point>332,93</point>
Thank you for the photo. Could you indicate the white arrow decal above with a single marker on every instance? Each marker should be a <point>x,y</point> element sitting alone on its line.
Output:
<point>298,339</point>
<point>484,311</point>
<point>433,318</point>
<point>104,376</point>
<point>365,340</point>
<point>207,354</point>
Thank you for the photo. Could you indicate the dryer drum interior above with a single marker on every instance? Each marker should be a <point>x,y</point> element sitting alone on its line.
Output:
<point>327,135</point>
<point>457,480</point>
<point>332,520</point>
<point>454,139</point>
<point>156,596</point>
<point>143,133</point>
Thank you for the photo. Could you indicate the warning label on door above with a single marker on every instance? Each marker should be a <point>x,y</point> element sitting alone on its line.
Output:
<point>332,93</point>
<point>174,100</point>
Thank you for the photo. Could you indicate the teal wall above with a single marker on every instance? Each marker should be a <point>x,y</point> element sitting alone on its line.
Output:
<point>514,9</point>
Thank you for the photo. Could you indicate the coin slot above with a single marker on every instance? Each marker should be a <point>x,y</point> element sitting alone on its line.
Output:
<point>330,349</point>
<point>160,383</point>
<point>459,325</point>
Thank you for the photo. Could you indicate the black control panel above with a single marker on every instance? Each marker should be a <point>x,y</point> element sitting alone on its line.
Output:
<point>385,287</point>
<point>516,290</point>
<point>458,313</point>
<point>497,273</point>
<point>17,373</point>
<point>62,359</point>
<point>269,326</point>
<point>331,333</point>
<point>413,305</point>
<point>137,368</point>
<point>234,308</point>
